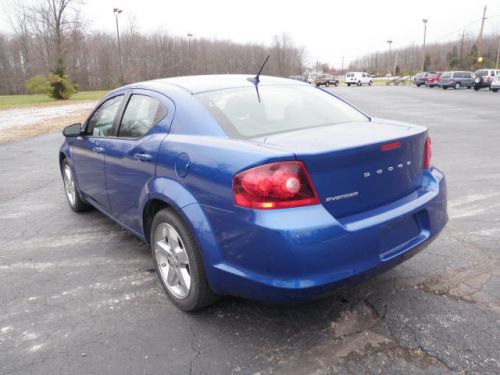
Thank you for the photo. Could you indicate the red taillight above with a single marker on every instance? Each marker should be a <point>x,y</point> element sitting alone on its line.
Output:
<point>427,153</point>
<point>275,185</point>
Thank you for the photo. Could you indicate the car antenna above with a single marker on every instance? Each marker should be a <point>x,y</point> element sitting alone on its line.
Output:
<point>256,80</point>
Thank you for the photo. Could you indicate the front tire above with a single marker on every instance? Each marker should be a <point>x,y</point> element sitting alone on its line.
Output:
<point>370,83</point>
<point>359,83</point>
<point>73,195</point>
<point>494,90</point>
<point>178,262</point>
<point>457,85</point>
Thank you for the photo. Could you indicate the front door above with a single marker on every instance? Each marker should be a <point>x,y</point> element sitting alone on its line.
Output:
<point>88,152</point>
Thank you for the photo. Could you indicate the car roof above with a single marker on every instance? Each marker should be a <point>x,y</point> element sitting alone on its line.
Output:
<point>203,83</point>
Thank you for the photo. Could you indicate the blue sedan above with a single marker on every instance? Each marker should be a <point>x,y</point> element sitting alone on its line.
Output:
<point>268,188</point>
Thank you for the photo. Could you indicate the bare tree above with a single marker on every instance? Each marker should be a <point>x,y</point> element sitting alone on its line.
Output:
<point>55,21</point>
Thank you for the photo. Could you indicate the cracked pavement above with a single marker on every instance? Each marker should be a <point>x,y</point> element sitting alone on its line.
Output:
<point>78,294</point>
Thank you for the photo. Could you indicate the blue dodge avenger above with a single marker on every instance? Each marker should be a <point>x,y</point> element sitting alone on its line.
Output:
<point>260,187</point>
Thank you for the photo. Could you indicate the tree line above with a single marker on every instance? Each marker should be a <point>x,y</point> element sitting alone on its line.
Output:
<point>453,55</point>
<point>51,38</point>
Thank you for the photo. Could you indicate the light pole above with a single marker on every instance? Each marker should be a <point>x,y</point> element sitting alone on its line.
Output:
<point>389,59</point>
<point>423,46</point>
<point>117,12</point>
<point>189,35</point>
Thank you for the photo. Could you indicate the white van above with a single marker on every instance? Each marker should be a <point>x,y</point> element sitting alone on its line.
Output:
<point>358,78</point>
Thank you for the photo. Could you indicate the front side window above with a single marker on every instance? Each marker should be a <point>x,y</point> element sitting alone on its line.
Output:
<point>141,114</point>
<point>101,122</point>
<point>281,108</point>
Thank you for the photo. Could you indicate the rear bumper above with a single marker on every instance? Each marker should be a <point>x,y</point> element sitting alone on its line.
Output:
<point>293,255</point>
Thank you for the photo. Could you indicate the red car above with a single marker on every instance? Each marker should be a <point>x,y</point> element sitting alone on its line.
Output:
<point>432,79</point>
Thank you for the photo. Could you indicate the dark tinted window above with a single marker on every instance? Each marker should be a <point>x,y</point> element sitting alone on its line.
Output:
<point>142,113</point>
<point>101,122</point>
<point>482,73</point>
<point>280,109</point>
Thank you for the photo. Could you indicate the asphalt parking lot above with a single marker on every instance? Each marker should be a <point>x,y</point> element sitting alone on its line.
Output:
<point>78,294</point>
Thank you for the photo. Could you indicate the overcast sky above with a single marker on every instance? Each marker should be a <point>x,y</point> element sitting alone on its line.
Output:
<point>327,29</point>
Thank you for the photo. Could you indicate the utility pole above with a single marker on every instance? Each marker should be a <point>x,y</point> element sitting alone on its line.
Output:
<point>480,49</point>
<point>423,46</point>
<point>376,63</point>
<point>342,66</point>
<point>117,12</point>
<point>462,45</point>
<point>389,59</point>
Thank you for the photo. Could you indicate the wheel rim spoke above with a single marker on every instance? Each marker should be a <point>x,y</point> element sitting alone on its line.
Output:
<point>184,279</point>
<point>163,248</point>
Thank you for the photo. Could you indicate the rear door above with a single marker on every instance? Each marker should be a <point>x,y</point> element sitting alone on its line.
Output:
<point>130,157</point>
<point>87,152</point>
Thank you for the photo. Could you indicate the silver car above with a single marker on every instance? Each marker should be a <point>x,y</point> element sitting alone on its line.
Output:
<point>495,84</point>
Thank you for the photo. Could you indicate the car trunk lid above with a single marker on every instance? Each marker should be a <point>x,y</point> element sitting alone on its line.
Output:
<point>356,167</point>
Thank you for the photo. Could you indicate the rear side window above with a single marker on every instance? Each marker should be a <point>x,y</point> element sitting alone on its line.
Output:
<point>274,109</point>
<point>141,114</point>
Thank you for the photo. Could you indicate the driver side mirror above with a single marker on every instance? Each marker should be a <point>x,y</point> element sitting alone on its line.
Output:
<point>73,130</point>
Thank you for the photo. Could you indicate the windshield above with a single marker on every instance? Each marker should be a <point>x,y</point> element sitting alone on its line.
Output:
<point>281,109</point>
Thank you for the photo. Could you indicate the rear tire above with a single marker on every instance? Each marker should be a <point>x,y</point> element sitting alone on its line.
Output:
<point>457,85</point>
<point>327,84</point>
<point>73,195</point>
<point>370,83</point>
<point>494,90</point>
<point>444,87</point>
<point>178,262</point>
<point>359,83</point>
<point>348,85</point>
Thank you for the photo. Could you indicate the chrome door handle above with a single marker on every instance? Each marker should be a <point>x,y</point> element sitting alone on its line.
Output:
<point>143,157</point>
<point>98,149</point>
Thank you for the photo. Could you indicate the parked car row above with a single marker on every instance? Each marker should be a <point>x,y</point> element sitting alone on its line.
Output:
<point>482,78</point>
<point>351,78</point>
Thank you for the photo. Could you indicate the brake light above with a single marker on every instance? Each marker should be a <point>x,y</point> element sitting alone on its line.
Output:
<point>427,153</point>
<point>275,185</point>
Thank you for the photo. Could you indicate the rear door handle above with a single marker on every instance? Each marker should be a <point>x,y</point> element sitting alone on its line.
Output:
<point>98,149</point>
<point>143,157</point>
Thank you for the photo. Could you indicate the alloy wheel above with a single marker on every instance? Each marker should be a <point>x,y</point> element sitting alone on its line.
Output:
<point>69,185</point>
<point>172,260</point>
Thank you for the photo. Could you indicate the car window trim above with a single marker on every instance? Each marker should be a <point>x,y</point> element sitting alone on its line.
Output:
<point>114,120</point>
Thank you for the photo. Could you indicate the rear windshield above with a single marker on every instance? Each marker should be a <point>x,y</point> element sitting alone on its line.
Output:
<point>446,75</point>
<point>481,73</point>
<point>280,109</point>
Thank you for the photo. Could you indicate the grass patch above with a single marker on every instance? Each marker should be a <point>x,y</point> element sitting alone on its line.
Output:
<point>17,101</point>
